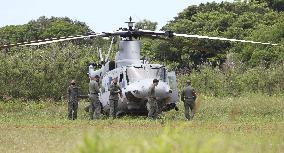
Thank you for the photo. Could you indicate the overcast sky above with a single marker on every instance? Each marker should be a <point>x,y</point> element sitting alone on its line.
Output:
<point>100,15</point>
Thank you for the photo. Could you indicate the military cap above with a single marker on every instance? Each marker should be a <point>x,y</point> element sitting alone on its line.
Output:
<point>97,76</point>
<point>155,80</point>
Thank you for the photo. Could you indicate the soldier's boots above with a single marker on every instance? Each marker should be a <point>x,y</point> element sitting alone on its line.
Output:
<point>152,110</point>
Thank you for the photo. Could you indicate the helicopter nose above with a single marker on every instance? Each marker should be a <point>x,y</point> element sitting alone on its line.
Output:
<point>140,89</point>
<point>136,91</point>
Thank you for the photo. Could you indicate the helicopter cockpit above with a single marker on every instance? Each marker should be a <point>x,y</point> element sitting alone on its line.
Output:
<point>136,73</point>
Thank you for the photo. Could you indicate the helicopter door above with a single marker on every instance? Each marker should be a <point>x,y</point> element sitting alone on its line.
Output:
<point>173,85</point>
<point>121,80</point>
<point>111,65</point>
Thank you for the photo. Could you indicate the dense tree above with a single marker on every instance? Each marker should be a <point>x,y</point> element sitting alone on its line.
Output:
<point>277,5</point>
<point>146,25</point>
<point>237,20</point>
<point>42,28</point>
<point>45,71</point>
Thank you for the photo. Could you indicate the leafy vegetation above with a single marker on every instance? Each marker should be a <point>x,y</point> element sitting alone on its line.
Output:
<point>277,5</point>
<point>42,28</point>
<point>240,20</point>
<point>45,72</point>
<point>236,81</point>
<point>146,25</point>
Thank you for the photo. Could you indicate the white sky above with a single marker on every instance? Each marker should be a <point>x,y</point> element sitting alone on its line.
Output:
<point>103,15</point>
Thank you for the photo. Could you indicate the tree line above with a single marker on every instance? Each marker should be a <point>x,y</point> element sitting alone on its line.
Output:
<point>239,20</point>
<point>42,28</point>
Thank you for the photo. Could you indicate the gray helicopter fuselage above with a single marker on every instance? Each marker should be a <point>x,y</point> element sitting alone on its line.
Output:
<point>135,77</point>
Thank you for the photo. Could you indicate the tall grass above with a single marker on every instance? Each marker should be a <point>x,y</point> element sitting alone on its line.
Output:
<point>247,123</point>
<point>181,139</point>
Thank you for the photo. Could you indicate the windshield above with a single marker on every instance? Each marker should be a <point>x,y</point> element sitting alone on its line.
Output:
<point>135,74</point>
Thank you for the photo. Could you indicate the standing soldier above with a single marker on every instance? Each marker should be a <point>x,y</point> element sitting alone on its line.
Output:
<point>188,97</point>
<point>152,101</point>
<point>95,106</point>
<point>113,97</point>
<point>73,98</point>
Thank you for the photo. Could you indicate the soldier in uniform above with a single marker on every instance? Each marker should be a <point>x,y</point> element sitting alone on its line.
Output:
<point>188,97</point>
<point>95,106</point>
<point>113,97</point>
<point>152,102</point>
<point>73,98</point>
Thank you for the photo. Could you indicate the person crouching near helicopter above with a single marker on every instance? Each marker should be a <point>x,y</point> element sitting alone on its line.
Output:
<point>188,97</point>
<point>115,91</point>
<point>73,98</point>
<point>95,106</point>
<point>152,101</point>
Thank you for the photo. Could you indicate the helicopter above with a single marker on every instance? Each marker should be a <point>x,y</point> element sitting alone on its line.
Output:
<point>134,74</point>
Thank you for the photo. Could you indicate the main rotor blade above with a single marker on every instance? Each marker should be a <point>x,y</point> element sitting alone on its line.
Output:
<point>60,40</point>
<point>223,39</point>
<point>51,40</point>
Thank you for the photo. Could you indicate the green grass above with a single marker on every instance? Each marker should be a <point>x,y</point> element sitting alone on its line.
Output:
<point>251,123</point>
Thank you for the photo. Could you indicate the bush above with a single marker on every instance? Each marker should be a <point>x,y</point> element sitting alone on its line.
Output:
<point>236,81</point>
<point>44,72</point>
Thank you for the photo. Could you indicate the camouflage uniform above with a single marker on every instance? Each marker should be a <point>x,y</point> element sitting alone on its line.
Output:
<point>73,98</point>
<point>95,106</point>
<point>152,103</point>
<point>113,99</point>
<point>188,97</point>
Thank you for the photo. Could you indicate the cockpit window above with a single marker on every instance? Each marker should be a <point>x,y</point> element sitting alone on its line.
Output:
<point>159,73</point>
<point>135,74</point>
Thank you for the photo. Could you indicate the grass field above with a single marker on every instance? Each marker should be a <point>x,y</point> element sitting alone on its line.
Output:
<point>251,123</point>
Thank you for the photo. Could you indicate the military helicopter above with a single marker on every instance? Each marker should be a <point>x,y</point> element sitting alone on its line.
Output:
<point>134,74</point>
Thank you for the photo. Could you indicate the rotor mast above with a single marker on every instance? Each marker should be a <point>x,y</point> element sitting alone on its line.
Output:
<point>130,24</point>
<point>129,49</point>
